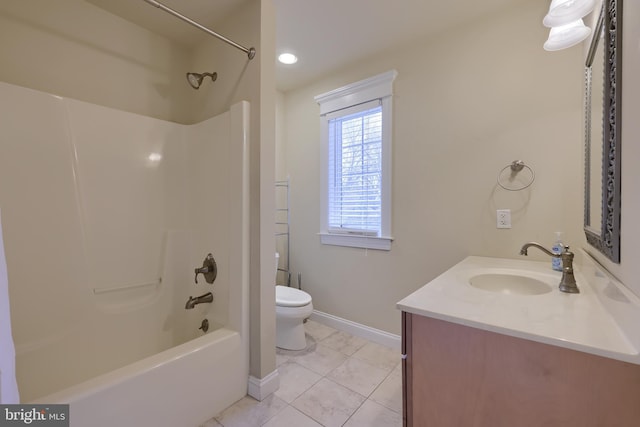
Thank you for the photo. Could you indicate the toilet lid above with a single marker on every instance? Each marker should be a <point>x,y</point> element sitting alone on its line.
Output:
<point>291,297</point>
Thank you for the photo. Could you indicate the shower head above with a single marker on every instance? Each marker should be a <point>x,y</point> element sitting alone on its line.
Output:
<point>195,79</point>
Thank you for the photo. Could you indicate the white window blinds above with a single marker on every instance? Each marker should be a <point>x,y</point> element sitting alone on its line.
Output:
<point>355,170</point>
<point>355,173</point>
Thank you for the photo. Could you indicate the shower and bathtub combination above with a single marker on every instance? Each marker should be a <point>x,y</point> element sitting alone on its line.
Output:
<point>106,214</point>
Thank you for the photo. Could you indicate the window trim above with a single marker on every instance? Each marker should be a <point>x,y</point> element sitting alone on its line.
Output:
<point>378,87</point>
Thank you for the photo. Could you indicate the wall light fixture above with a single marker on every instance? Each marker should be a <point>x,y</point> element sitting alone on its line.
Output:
<point>565,20</point>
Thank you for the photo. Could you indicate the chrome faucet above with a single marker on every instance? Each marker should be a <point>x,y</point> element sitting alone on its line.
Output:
<point>568,281</point>
<point>208,297</point>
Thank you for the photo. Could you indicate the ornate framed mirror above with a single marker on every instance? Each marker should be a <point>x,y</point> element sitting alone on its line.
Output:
<point>603,77</point>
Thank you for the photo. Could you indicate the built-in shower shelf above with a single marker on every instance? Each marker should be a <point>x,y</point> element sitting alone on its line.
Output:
<point>98,291</point>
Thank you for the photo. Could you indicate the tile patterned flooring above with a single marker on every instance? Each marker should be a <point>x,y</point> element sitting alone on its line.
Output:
<point>338,380</point>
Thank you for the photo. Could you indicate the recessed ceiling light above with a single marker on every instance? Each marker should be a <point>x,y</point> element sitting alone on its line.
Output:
<point>287,58</point>
<point>155,157</point>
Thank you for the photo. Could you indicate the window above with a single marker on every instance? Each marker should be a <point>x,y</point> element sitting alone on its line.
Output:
<point>355,172</point>
<point>355,124</point>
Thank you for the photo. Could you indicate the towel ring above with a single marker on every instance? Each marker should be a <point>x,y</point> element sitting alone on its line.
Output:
<point>516,166</point>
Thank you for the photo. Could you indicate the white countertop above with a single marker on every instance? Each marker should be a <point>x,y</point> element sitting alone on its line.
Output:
<point>603,319</point>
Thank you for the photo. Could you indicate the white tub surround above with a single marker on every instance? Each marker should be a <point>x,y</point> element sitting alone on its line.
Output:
<point>125,207</point>
<point>602,319</point>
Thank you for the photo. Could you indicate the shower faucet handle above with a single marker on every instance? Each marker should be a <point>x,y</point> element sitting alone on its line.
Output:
<point>209,269</point>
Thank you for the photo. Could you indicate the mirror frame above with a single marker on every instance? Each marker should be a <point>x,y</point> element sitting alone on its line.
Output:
<point>607,240</point>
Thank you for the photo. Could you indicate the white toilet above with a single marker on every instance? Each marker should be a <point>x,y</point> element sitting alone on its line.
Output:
<point>292,307</point>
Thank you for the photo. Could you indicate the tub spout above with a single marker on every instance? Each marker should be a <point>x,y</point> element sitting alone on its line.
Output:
<point>192,302</point>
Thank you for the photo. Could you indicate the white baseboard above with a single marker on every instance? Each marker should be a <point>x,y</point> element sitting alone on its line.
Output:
<point>357,329</point>
<point>260,388</point>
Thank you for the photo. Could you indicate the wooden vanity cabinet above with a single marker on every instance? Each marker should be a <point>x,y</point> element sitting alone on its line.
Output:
<point>459,376</point>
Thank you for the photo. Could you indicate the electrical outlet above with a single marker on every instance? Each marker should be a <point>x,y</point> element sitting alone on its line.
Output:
<point>503,218</point>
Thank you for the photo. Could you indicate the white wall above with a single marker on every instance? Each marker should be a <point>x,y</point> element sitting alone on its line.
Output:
<point>253,25</point>
<point>72,48</point>
<point>281,191</point>
<point>466,103</point>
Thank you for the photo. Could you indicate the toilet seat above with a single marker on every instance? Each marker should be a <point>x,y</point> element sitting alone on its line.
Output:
<point>291,297</point>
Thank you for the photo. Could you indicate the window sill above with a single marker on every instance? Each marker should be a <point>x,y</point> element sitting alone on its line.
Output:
<point>366,242</point>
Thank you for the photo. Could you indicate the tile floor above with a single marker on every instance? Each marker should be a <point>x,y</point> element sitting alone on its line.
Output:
<point>338,380</point>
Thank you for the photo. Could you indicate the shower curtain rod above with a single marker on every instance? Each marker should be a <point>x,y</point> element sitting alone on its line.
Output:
<point>251,52</point>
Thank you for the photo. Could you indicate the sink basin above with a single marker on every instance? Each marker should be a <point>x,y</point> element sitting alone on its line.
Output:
<point>510,284</point>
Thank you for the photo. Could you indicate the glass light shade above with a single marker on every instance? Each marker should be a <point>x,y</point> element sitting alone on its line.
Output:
<point>563,12</point>
<point>566,36</point>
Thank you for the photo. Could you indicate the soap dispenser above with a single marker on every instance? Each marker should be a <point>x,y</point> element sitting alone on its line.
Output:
<point>557,248</point>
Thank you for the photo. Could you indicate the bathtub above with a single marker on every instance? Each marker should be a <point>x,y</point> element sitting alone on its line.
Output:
<point>180,387</point>
<point>102,324</point>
